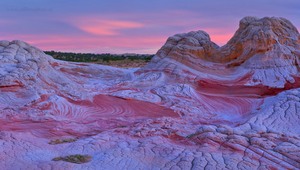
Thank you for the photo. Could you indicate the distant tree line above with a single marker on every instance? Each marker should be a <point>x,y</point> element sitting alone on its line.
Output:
<point>89,57</point>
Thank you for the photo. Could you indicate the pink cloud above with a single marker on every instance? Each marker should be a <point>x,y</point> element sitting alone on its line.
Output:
<point>98,26</point>
<point>103,44</point>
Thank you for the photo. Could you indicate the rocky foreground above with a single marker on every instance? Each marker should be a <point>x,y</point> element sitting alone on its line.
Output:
<point>194,106</point>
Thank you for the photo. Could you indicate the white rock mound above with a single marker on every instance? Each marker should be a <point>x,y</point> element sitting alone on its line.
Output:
<point>267,49</point>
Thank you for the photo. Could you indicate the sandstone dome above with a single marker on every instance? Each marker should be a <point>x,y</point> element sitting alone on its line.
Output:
<point>264,51</point>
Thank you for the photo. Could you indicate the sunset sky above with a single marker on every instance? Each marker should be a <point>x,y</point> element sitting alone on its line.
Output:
<point>132,26</point>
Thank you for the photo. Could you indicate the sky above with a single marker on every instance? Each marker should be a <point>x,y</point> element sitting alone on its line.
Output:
<point>131,26</point>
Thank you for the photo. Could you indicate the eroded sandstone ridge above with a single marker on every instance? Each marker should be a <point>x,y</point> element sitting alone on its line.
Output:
<point>266,48</point>
<point>194,106</point>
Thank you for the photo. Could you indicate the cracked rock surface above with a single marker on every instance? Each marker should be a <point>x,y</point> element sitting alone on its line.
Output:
<point>194,106</point>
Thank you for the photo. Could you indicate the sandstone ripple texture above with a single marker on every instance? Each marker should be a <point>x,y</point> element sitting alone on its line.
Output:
<point>195,105</point>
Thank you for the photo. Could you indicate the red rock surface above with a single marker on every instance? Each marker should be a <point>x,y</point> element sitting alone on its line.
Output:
<point>194,106</point>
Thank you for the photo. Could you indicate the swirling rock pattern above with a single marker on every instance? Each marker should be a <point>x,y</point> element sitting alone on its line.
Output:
<point>194,106</point>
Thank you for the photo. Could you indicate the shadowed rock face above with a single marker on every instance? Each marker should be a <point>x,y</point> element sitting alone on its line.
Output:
<point>194,106</point>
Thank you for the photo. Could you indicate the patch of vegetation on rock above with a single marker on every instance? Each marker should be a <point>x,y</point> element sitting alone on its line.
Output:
<point>77,158</point>
<point>61,141</point>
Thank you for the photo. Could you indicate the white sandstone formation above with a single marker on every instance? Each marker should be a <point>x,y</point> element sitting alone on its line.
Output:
<point>194,106</point>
